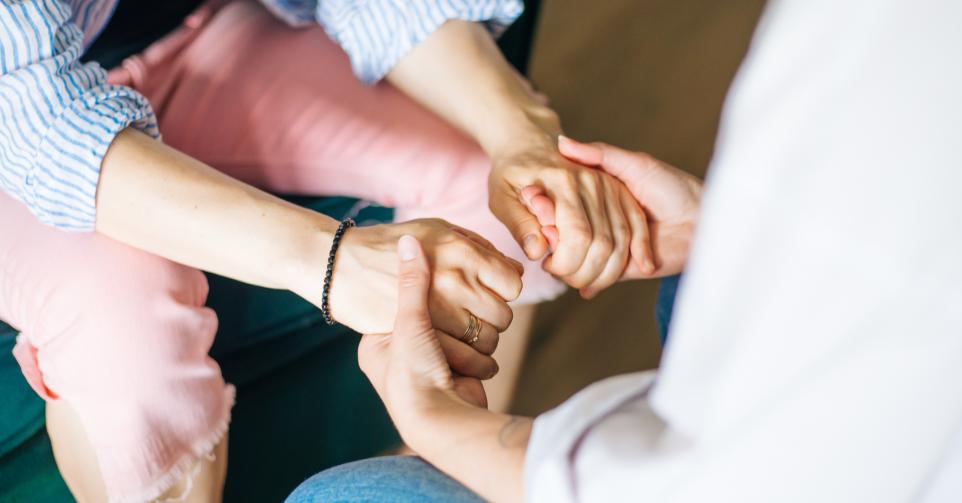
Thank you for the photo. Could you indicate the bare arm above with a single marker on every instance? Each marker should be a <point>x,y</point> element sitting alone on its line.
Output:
<point>481,449</point>
<point>157,199</point>
<point>459,73</point>
<point>431,407</point>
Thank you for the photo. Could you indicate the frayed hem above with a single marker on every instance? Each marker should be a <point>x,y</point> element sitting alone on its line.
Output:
<point>187,465</point>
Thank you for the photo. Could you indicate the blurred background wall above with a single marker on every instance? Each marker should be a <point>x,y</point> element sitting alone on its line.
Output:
<point>646,75</point>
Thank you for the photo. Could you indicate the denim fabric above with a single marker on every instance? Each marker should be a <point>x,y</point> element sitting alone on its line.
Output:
<point>665,304</point>
<point>392,479</point>
<point>408,479</point>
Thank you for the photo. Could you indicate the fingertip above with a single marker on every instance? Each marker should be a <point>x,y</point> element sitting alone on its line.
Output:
<point>543,209</point>
<point>528,193</point>
<point>495,368</point>
<point>534,246</point>
<point>649,266</point>
<point>567,146</point>
<point>408,248</point>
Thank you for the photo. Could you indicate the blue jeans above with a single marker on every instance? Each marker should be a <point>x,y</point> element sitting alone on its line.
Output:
<point>666,304</point>
<point>408,479</point>
<point>392,479</point>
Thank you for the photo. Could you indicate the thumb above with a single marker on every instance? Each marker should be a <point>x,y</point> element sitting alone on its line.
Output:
<point>581,153</point>
<point>522,224</point>
<point>414,282</point>
<point>615,161</point>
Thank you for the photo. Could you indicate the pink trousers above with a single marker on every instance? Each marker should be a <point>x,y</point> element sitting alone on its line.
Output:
<point>123,335</point>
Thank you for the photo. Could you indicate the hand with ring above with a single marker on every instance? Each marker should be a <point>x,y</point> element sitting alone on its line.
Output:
<point>471,285</point>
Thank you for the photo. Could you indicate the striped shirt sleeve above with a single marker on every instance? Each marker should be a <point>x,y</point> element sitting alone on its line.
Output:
<point>375,34</point>
<point>58,116</point>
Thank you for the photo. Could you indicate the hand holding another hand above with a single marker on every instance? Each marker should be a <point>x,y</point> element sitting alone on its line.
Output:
<point>468,276</point>
<point>598,224</point>
<point>407,366</point>
<point>669,197</point>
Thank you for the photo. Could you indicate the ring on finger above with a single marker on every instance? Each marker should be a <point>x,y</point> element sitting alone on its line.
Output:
<point>473,332</point>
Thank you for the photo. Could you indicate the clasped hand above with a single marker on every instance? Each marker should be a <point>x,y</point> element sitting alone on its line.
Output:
<point>407,366</point>
<point>469,277</point>
<point>604,213</point>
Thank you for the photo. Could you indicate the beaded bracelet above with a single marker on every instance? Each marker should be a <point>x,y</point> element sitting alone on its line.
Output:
<point>325,307</point>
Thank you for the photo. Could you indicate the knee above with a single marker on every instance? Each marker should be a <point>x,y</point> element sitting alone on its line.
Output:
<point>132,289</point>
<point>139,311</point>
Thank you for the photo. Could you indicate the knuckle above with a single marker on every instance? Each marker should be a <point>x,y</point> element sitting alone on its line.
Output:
<point>599,261</point>
<point>560,177</point>
<point>580,235</point>
<point>563,265</point>
<point>604,245</point>
<point>502,317</point>
<point>448,280</point>
<point>577,281</point>
<point>622,235</point>
<point>515,287</point>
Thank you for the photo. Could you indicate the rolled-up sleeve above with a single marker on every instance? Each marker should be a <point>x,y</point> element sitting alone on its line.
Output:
<point>375,34</point>
<point>58,116</point>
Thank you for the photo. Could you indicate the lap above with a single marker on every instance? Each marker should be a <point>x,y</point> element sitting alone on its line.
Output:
<point>392,479</point>
<point>90,308</point>
<point>279,108</point>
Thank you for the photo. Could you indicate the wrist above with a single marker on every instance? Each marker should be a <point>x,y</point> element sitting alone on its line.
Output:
<point>520,128</point>
<point>362,288</point>
<point>441,411</point>
<point>303,269</point>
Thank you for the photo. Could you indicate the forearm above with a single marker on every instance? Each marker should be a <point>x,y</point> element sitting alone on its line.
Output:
<point>481,449</point>
<point>159,200</point>
<point>459,74</point>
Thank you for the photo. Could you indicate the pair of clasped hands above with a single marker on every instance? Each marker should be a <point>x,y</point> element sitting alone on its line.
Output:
<point>599,214</point>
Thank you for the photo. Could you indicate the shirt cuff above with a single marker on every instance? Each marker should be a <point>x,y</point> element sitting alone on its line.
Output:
<point>62,185</point>
<point>376,34</point>
<point>549,464</point>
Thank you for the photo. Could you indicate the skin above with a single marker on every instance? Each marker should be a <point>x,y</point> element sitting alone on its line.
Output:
<point>442,416</point>
<point>477,91</point>
<point>669,197</point>
<point>205,219</point>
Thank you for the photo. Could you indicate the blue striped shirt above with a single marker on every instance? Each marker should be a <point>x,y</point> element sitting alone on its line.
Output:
<point>59,116</point>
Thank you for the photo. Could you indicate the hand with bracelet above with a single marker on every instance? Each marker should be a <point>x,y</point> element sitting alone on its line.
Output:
<point>216,223</point>
<point>472,283</point>
<point>441,416</point>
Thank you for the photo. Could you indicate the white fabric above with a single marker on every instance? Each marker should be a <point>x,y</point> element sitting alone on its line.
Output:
<point>816,352</point>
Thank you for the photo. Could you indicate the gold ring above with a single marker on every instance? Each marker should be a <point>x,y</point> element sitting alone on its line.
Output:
<point>476,334</point>
<point>473,325</point>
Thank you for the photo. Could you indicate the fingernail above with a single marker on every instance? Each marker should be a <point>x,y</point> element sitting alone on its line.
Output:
<point>407,248</point>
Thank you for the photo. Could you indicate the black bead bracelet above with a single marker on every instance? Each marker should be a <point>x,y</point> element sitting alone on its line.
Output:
<point>325,307</point>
